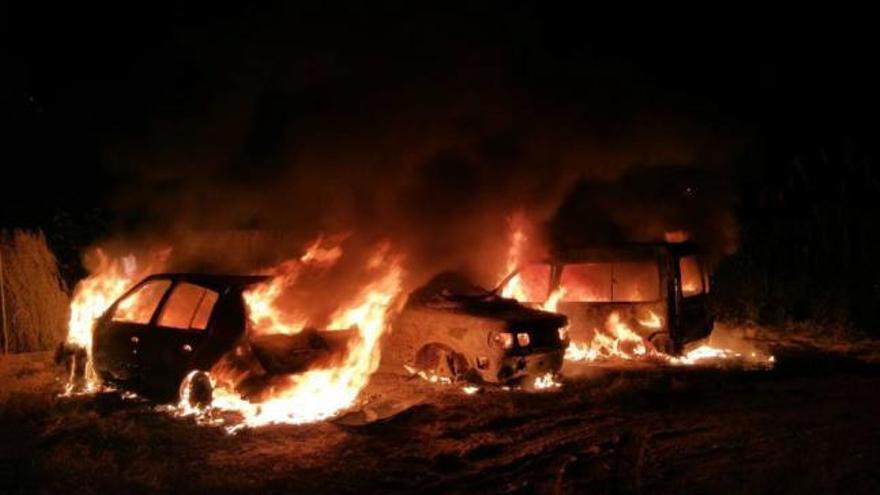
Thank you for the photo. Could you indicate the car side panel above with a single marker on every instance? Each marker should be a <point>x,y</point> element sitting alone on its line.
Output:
<point>117,349</point>
<point>170,353</point>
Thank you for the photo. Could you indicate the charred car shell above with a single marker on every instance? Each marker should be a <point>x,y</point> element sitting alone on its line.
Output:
<point>171,329</point>
<point>457,331</point>
<point>168,325</point>
<point>660,290</point>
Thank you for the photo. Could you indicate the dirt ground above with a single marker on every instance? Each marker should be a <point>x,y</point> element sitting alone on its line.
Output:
<point>809,425</point>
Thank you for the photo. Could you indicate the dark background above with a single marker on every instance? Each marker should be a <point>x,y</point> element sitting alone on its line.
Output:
<point>121,118</point>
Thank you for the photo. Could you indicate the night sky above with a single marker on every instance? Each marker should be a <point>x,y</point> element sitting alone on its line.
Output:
<point>102,100</point>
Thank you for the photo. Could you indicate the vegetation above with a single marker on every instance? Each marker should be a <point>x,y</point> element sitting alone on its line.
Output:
<point>36,302</point>
<point>810,244</point>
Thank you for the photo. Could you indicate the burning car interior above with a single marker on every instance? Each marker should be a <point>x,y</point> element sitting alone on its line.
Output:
<point>660,289</point>
<point>489,247</point>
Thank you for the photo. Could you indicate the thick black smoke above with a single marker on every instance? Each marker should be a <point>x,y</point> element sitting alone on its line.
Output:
<point>428,133</point>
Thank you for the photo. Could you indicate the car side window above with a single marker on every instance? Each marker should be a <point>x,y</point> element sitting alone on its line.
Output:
<point>188,307</point>
<point>636,281</point>
<point>586,282</point>
<point>139,306</point>
<point>691,276</point>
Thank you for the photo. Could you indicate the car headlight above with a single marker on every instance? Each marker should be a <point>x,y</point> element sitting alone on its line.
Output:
<point>523,339</point>
<point>503,340</point>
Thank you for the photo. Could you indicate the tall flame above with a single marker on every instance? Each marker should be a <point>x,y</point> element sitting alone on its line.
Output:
<point>321,393</point>
<point>553,300</point>
<point>516,250</point>
<point>262,300</point>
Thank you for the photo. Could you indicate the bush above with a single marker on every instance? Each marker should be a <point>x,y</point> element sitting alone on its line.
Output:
<point>37,305</point>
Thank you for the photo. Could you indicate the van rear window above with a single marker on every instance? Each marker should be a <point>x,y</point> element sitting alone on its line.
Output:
<point>625,281</point>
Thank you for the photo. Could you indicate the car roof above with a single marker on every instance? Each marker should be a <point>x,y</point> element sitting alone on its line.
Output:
<point>621,251</point>
<point>216,281</point>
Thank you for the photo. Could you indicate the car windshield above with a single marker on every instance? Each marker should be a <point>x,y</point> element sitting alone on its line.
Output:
<point>139,305</point>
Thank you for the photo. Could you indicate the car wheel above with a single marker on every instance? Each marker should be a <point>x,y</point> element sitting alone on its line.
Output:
<point>442,361</point>
<point>662,343</point>
<point>196,389</point>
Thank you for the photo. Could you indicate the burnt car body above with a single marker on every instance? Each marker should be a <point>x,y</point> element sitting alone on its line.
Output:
<point>660,290</point>
<point>168,325</point>
<point>172,326</point>
<point>458,331</point>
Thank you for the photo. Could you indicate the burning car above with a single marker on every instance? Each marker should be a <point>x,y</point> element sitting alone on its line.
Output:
<point>170,327</point>
<point>457,331</point>
<point>168,332</point>
<point>659,291</point>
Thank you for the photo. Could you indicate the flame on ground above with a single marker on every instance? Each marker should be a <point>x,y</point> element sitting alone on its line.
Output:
<point>653,320</point>
<point>619,342</point>
<point>430,377</point>
<point>546,381</point>
<point>470,389</point>
<point>615,341</point>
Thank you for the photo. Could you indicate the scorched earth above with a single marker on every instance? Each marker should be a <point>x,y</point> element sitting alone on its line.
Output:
<point>808,424</point>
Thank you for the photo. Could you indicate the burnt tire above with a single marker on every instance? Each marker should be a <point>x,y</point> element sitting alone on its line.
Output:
<point>441,360</point>
<point>196,389</point>
<point>663,343</point>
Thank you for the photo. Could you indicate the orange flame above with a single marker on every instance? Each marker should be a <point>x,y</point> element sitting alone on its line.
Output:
<point>545,381</point>
<point>616,340</point>
<point>262,300</point>
<point>322,393</point>
<point>653,320</point>
<point>516,250</point>
<point>553,300</point>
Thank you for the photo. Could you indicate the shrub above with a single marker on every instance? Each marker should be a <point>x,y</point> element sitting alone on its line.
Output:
<point>37,305</point>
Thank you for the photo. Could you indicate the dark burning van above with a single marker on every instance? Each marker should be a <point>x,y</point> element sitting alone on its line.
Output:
<point>659,290</point>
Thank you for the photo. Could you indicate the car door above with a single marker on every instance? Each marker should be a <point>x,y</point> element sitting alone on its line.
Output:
<point>180,329</point>
<point>119,334</point>
<point>693,309</point>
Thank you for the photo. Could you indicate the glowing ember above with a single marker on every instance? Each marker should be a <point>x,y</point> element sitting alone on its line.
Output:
<point>470,389</point>
<point>428,376</point>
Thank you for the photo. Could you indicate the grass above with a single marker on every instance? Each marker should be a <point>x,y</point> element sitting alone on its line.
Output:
<point>37,305</point>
